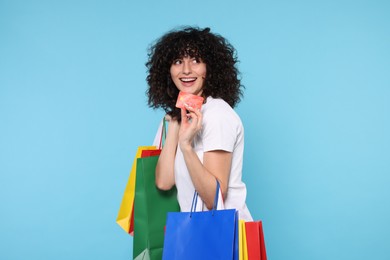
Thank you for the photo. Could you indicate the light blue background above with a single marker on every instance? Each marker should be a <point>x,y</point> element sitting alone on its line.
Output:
<point>316,113</point>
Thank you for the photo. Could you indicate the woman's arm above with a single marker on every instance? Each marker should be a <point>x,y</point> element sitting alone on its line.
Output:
<point>165,178</point>
<point>216,164</point>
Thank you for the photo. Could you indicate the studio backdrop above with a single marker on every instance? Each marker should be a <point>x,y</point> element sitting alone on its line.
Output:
<point>73,111</point>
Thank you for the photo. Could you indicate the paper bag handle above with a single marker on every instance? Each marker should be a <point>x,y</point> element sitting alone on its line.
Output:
<point>163,134</point>
<point>195,199</point>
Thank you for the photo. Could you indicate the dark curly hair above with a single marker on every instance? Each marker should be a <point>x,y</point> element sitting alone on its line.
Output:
<point>222,76</point>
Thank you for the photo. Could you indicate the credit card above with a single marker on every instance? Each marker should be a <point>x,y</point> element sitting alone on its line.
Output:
<point>189,99</point>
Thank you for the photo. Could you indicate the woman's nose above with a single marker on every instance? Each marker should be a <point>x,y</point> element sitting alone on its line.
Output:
<point>186,67</point>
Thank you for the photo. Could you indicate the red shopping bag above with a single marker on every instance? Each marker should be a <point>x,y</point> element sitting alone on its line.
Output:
<point>147,153</point>
<point>255,240</point>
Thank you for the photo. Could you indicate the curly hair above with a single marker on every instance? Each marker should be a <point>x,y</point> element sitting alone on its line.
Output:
<point>222,76</point>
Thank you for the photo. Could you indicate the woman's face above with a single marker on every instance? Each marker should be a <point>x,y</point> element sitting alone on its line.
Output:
<point>189,75</point>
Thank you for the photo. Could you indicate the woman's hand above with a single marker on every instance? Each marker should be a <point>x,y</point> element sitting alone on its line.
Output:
<point>191,124</point>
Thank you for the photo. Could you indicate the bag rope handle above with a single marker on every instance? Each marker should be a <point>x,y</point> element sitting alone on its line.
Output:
<point>195,200</point>
<point>163,134</point>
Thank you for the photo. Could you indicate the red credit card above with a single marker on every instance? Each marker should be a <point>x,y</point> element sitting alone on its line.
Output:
<point>189,99</point>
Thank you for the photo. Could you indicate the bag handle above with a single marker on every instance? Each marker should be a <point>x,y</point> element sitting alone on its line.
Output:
<point>163,134</point>
<point>195,199</point>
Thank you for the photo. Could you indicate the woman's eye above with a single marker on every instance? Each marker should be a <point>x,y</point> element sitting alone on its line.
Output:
<point>177,62</point>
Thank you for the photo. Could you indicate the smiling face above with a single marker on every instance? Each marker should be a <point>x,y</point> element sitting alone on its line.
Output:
<point>189,74</point>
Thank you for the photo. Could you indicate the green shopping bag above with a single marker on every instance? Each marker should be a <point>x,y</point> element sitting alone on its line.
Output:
<point>150,210</point>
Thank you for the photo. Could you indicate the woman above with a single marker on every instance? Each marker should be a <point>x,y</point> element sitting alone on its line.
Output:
<point>205,145</point>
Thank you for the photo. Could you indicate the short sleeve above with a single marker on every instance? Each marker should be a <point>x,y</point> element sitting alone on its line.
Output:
<point>219,130</point>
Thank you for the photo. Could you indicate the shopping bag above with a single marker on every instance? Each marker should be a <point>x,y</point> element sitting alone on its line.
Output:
<point>125,218</point>
<point>147,153</point>
<point>243,250</point>
<point>145,255</point>
<point>125,214</point>
<point>202,235</point>
<point>150,210</point>
<point>255,240</point>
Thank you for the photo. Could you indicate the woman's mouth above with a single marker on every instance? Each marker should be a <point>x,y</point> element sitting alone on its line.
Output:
<point>188,80</point>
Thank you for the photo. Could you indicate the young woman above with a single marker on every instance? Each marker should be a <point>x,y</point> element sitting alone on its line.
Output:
<point>205,145</point>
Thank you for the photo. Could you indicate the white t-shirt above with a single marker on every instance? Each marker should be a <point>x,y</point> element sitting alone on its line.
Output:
<point>222,129</point>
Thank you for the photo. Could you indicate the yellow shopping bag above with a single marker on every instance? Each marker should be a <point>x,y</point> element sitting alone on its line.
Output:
<point>243,249</point>
<point>125,213</point>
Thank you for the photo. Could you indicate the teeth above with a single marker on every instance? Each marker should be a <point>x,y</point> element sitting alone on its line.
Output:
<point>188,79</point>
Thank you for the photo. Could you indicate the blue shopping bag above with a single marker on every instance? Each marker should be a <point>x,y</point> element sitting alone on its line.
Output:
<point>202,235</point>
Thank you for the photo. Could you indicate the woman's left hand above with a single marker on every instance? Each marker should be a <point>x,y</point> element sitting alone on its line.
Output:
<point>191,124</point>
